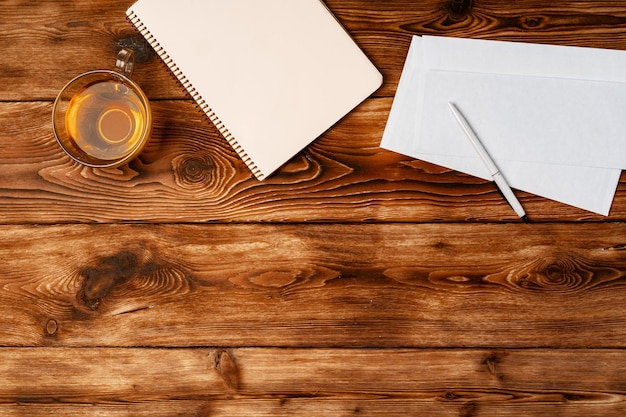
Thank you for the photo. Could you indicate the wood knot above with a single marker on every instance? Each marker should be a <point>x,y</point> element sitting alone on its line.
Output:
<point>555,274</point>
<point>193,171</point>
<point>491,362</point>
<point>533,22</point>
<point>450,396</point>
<point>226,367</point>
<point>560,275</point>
<point>134,41</point>
<point>109,272</point>
<point>137,270</point>
<point>52,327</point>
<point>459,9</point>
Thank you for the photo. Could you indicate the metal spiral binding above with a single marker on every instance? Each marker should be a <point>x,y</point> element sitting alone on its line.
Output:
<point>202,104</point>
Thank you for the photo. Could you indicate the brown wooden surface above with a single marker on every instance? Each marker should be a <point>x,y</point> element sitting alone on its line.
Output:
<point>353,282</point>
<point>312,382</point>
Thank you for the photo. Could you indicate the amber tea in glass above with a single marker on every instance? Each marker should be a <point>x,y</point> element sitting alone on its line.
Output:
<point>102,118</point>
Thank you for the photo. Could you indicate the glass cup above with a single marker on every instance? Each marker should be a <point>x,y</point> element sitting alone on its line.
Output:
<point>102,118</point>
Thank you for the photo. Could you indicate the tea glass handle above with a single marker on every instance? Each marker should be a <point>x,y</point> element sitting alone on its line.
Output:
<point>125,62</point>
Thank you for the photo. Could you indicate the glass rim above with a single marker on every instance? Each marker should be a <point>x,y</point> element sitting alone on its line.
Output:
<point>146,133</point>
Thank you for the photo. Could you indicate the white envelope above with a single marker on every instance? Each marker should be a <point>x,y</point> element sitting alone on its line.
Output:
<point>548,115</point>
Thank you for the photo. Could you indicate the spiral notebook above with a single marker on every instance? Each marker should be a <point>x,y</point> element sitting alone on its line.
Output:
<point>272,75</point>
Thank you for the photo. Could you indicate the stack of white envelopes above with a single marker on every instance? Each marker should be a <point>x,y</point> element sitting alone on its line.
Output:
<point>553,118</point>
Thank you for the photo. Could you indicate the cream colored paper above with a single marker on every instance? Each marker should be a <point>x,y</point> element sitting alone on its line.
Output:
<point>272,74</point>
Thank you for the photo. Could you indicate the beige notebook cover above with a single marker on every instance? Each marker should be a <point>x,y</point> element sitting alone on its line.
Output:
<point>272,75</point>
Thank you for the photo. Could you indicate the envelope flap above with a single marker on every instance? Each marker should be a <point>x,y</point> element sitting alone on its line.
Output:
<point>524,59</point>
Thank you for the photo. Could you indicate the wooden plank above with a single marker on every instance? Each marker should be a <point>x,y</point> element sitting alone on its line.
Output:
<point>312,382</point>
<point>188,173</point>
<point>294,317</point>
<point>65,40</point>
<point>606,406</point>
<point>464,285</point>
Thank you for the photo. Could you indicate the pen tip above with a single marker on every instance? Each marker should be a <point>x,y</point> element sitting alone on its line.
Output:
<point>525,219</point>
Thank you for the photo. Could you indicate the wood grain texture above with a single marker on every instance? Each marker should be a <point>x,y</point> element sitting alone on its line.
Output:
<point>189,173</point>
<point>69,41</point>
<point>313,285</point>
<point>354,282</point>
<point>281,382</point>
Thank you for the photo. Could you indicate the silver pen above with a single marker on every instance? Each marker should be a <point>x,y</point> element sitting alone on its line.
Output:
<point>489,163</point>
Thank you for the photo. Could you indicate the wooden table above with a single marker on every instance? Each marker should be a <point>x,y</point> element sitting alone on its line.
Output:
<point>354,282</point>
